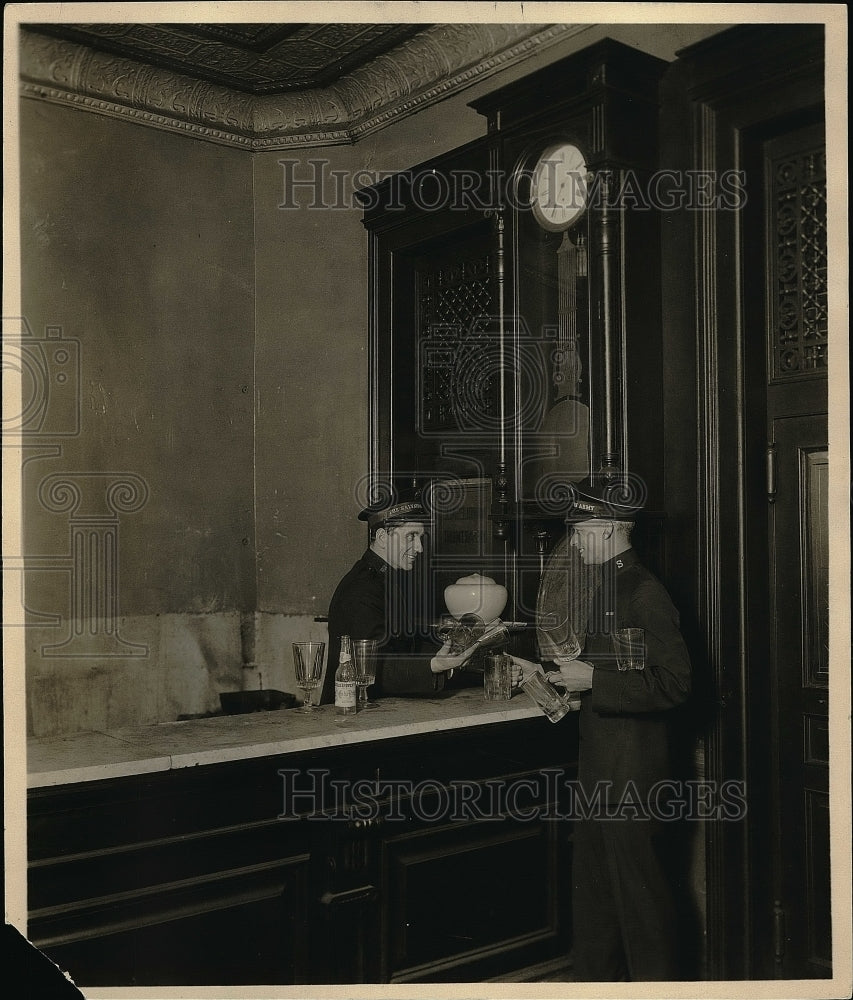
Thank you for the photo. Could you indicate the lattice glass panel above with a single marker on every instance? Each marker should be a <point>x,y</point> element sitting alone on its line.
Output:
<point>798,254</point>
<point>458,370</point>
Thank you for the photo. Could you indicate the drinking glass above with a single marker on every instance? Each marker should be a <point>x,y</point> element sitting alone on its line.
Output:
<point>364,652</point>
<point>496,634</point>
<point>629,644</point>
<point>461,632</point>
<point>497,677</point>
<point>308,665</point>
<point>550,701</point>
<point>558,643</point>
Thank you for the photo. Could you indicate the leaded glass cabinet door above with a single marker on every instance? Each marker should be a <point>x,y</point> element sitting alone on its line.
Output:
<point>445,375</point>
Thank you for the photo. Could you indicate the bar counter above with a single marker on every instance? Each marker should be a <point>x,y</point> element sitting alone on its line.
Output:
<point>94,756</point>
<point>208,852</point>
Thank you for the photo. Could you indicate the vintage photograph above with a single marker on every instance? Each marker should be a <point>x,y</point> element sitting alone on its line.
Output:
<point>426,507</point>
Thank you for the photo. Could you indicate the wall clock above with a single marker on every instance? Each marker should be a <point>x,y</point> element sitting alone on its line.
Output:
<point>558,188</point>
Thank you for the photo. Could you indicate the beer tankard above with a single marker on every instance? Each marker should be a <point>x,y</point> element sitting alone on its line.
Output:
<point>556,645</point>
<point>497,677</point>
<point>546,696</point>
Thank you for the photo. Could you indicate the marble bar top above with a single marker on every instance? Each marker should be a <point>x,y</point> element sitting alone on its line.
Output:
<point>94,756</point>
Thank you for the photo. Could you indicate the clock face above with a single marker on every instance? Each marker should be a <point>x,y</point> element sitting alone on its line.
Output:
<point>558,189</point>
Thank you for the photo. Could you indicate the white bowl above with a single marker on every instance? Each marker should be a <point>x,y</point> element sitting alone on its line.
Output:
<point>475,595</point>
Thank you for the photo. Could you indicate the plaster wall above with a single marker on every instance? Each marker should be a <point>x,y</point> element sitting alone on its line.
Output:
<point>137,253</point>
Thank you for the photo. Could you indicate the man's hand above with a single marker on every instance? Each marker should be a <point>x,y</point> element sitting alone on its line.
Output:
<point>444,660</point>
<point>522,669</point>
<point>573,675</point>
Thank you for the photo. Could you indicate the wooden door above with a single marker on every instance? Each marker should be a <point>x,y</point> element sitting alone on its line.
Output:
<point>757,105</point>
<point>788,579</point>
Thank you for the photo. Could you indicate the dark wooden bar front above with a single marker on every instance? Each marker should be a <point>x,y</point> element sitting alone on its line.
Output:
<point>442,855</point>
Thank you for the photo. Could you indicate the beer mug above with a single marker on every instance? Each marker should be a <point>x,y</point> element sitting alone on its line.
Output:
<point>497,677</point>
<point>546,696</point>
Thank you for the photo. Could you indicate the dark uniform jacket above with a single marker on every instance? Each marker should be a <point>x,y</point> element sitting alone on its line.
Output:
<point>623,728</point>
<point>373,601</point>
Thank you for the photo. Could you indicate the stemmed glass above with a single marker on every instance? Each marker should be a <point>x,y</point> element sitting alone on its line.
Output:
<point>308,665</point>
<point>364,656</point>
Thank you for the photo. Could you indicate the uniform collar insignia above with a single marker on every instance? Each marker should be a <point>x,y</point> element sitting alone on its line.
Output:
<point>625,559</point>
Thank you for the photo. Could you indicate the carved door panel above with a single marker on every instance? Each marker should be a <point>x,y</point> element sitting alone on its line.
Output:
<point>799,657</point>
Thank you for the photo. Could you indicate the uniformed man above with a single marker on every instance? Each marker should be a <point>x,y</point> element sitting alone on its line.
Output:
<point>624,917</point>
<point>374,601</point>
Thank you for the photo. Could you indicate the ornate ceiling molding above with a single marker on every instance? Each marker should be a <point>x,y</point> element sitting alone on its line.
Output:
<point>428,68</point>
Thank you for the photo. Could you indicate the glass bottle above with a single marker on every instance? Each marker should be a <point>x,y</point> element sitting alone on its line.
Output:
<point>345,680</point>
